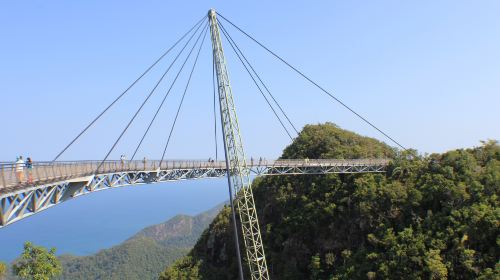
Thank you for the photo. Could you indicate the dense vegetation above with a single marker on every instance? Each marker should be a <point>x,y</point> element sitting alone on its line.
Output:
<point>37,263</point>
<point>141,258</point>
<point>428,217</point>
<point>329,141</point>
<point>144,255</point>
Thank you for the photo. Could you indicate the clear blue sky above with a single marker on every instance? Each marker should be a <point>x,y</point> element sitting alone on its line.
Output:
<point>427,72</point>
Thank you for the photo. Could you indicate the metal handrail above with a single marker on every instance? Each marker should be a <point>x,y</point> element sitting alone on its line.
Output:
<point>47,171</point>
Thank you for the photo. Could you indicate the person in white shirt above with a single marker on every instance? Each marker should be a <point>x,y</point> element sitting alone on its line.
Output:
<point>20,169</point>
<point>122,161</point>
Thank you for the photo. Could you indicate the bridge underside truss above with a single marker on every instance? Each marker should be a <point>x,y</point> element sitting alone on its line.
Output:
<point>316,170</point>
<point>17,204</point>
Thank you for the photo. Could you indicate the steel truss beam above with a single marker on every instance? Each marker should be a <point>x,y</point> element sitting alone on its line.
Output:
<point>24,201</point>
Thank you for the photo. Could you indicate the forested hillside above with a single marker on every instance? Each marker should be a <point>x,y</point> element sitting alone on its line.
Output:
<point>145,254</point>
<point>428,217</point>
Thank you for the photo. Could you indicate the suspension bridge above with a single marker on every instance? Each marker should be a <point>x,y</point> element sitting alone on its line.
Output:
<point>27,189</point>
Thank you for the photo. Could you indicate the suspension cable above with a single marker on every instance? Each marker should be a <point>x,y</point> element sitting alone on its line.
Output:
<point>145,101</point>
<point>163,100</point>
<point>258,87</point>
<point>258,77</point>
<point>128,88</point>
<point>183,95</point>
<point>215,113</point>
<point>314,83</point>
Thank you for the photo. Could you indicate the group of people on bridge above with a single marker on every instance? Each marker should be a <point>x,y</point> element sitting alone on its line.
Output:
<point>20,165</point>
<point>123,161</point>
<point>260,161</point>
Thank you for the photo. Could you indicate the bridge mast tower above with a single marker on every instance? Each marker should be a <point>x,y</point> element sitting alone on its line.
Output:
<point>235,161</point>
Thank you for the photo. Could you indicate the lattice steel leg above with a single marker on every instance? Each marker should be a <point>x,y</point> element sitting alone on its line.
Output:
<point>235,155</point>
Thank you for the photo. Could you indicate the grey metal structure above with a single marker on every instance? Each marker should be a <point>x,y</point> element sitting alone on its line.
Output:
<point>239,180</point>
<point>55,183</point>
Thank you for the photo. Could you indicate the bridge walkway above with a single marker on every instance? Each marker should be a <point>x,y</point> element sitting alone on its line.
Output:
<point>48,172</point>
<point>53,183</point>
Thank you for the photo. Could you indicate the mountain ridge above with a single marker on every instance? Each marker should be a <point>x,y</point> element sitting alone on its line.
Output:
<point>143,255</point>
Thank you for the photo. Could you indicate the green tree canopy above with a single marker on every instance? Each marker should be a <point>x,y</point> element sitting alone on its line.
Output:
<point>36,263</point>
<point>329,141</point>
<point>427,217</point>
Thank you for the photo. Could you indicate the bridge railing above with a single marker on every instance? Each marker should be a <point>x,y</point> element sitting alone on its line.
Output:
<point>325,162</point>
<point>18,174</point>
<point>14,175</point>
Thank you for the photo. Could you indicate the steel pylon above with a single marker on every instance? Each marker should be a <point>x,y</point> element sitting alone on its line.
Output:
<point>236,164</point>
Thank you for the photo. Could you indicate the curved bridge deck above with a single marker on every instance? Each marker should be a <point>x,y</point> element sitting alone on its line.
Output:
<point>25,192</point>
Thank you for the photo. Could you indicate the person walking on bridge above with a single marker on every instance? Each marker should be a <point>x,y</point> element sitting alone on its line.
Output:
<point>29,167</point>
<point>122,161</point>
<point>19,166</point>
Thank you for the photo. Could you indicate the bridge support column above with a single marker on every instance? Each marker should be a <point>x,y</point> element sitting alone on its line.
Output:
<point>238,171</point>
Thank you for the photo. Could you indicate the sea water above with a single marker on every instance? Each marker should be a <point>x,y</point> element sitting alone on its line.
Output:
<point>86,224</point>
